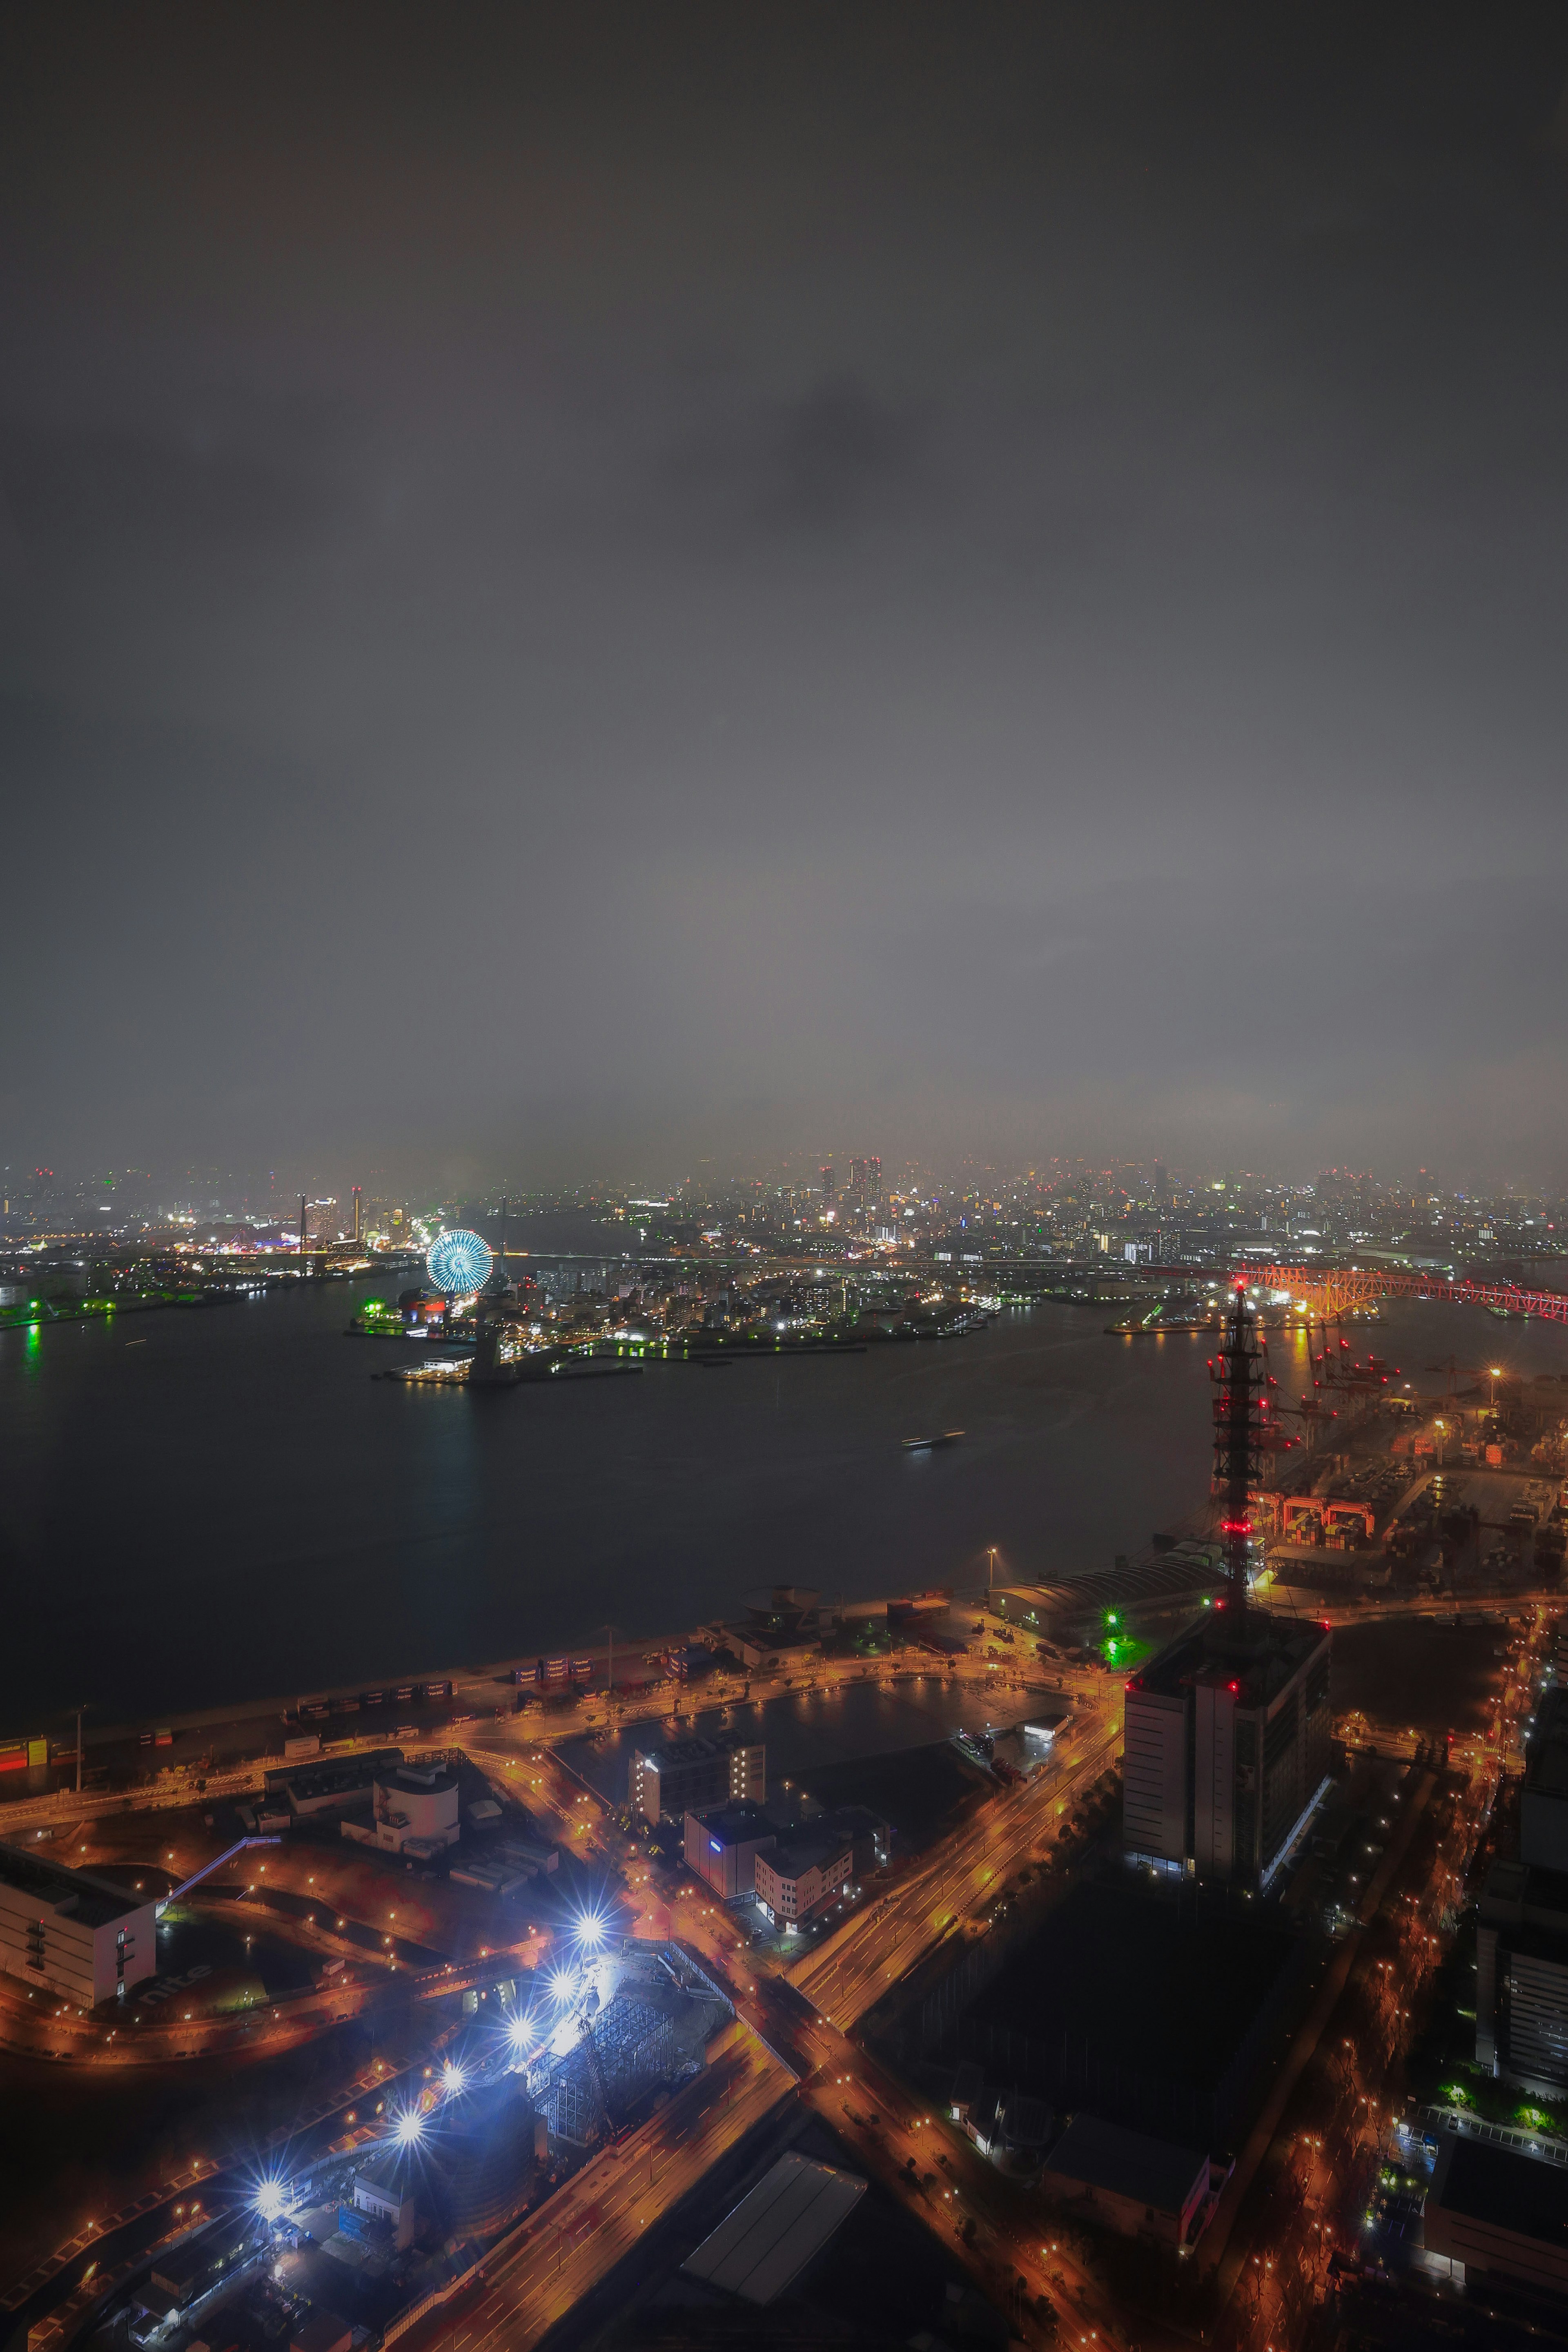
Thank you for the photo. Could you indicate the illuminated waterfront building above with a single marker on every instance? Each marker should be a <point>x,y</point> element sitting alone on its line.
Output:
<point>691,1775</point>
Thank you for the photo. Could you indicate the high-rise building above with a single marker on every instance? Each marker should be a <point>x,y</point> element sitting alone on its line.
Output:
<point>1521,1932</point>
<point>1228,1735</point>
<point>829,1189</point>
<point>865,1189</point>
<point>1229,1729</point>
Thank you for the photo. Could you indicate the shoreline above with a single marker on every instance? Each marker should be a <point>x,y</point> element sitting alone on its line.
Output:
<point>488,1675</point>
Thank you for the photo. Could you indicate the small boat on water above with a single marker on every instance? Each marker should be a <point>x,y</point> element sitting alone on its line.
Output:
<point>927,1445</point>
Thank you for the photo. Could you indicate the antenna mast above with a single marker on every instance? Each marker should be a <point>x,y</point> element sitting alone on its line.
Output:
<point>1239,1438</point>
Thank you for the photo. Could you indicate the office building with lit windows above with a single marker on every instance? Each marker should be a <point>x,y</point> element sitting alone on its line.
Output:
<point>687,1776</point>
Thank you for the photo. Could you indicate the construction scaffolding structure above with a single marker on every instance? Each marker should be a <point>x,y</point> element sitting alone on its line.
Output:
<point>644,2020</point>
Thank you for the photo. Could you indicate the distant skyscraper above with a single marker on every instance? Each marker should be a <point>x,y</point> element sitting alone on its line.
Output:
<point>829,1189</point>
<point>865,1186</point>
<point>1160,1180</point>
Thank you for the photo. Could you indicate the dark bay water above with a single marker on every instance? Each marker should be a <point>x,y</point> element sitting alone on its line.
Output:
<point>203,1507</point>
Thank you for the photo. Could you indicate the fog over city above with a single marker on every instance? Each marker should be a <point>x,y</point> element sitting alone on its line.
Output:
<point>585,589</point>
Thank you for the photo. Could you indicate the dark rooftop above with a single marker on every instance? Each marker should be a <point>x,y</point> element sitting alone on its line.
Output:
<point>1546,1754</point>
<point>93,1901</point>
<point>806,1854</point>
<point>420,1780</point>
<point>1260,1653</point>
<point>698,1749</point>
<point>1128,2163</point>
<point>1488,2184</point>
<point>1159,1991</point>
<point>734,1824</point>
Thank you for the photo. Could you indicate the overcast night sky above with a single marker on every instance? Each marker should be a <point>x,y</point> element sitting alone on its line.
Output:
<point>582,588</point>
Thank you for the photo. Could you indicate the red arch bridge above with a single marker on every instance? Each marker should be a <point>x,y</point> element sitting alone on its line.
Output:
<point>1333,1289</point>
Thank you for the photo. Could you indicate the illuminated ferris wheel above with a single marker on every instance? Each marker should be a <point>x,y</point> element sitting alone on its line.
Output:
<point>459,1262</point>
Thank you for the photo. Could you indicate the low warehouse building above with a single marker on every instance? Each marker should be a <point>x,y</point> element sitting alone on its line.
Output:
<point>1143,2187</point>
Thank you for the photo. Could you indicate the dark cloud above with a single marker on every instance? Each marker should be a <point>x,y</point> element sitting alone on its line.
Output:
<point>704,575</point>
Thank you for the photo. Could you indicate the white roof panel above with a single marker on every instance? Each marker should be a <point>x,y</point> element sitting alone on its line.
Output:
<point>776,2228</point>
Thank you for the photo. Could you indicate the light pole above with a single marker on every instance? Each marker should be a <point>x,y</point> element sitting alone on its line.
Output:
<point>990,1566</point>
<point>1496,1376</point>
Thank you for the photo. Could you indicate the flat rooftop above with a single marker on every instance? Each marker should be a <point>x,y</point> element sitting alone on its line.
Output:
<point>1546,1755</point>
<point>700,1749</point>
<point>736,1824</point>
<point>792,1856</point>
<point>1519,2193</point>
<point>777,2229</point>
<point>1158,1583</point>
<point>418,1779</point>
<point>93,1901</point>
<point>1260,1653</point>
<point>1128,2163</point>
